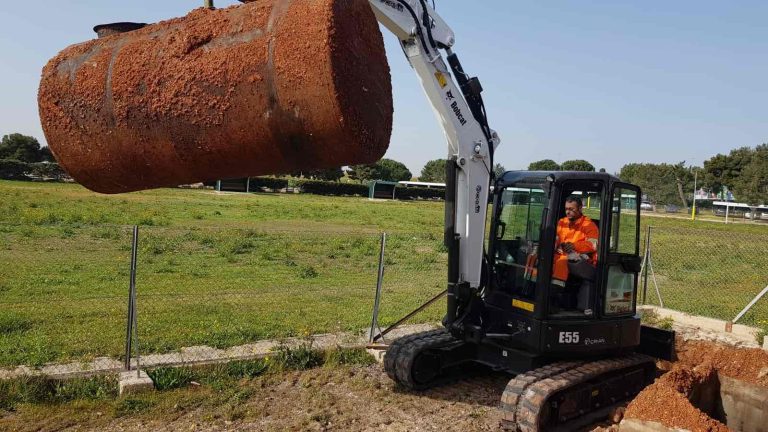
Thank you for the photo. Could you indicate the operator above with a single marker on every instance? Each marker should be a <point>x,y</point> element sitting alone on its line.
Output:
<point>576,244</point>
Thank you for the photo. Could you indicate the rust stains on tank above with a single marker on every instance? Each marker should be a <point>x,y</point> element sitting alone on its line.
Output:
<point>266,87</point>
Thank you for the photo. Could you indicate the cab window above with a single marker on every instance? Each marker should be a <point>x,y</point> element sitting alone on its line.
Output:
<point>516,242</point>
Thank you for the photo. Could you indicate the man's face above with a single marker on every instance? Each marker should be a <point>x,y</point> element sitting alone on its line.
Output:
<point>572,210</point>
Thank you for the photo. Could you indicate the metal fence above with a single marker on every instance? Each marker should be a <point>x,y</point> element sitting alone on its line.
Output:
<point>63,292</point>
<point>208,293</point>
<point>202,293</point>
<point>708,272</point>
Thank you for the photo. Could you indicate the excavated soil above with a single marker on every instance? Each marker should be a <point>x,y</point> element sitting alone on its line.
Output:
<point>749,365</point>
<point>667,401</point>
<point>674,399</point>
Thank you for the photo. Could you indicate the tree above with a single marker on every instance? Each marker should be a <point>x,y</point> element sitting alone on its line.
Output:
<point>722,171</point>
<point>662,183</point>
<point>385,169</point>
<point>751,186</point>
<point>499,170</point>
<point>544,165</point>
<point>683,180</point>
<point>23,148</point>
<point>577,165</point>
<point>393,170</point>
<point>433,171</point>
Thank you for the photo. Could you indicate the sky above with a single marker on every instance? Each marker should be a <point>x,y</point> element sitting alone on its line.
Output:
<point>612,82</point>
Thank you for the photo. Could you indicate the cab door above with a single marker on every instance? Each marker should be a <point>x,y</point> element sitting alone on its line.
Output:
<point>622,263</point>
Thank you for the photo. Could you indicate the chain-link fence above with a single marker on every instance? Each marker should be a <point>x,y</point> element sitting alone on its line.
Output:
<point>206,294</point>
<point>211,293</point>
<point>202,293</point>
<point>708,272</point>
<point>63,297</point>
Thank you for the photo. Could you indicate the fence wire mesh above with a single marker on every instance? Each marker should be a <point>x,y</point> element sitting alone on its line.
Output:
<point>205,292</point>
<point>63,296</point>
<point>708,272</point>
<point>206,289</point>
<point>202,292</point>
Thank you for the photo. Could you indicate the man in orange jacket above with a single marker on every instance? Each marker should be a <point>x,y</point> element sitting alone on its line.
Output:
<point>576,242</point>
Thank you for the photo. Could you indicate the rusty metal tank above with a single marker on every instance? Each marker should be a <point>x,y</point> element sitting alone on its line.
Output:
<point>266,87</point>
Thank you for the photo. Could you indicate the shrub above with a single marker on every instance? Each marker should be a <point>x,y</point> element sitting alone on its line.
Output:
<point>419,193</point>
<point>256,183</point>
<point>11,169</point>
<point>167,378</point>
<point>318,187</point>
<point>301,357</point>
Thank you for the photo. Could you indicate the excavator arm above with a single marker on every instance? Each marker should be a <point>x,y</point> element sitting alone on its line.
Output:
<point>458,105</point>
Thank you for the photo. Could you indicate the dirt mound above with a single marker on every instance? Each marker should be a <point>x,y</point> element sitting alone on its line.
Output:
<point>750,365</point>
<point>686,396</point>
<point>668,401</point>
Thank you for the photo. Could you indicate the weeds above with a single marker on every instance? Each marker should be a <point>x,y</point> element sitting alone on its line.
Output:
<point>651,318</point>
<point>301,357</point>
<point>348,357</point>
<point>39,390</point>
<point>13,323</point>
<point>168,378</point>
<point>132,406</point>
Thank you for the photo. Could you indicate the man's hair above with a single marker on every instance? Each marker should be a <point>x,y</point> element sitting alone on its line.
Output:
<point>575,199</point>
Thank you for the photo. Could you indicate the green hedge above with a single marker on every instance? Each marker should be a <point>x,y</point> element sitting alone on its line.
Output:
<point>318,187</point>
<point>331,188</point>
<point>404,193</point>
<point>11,169</point>
<point>256,183</point>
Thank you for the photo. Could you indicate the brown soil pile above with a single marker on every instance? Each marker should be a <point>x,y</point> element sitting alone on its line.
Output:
<point>745,364</point>
<point>267,87</point>
<point>667,401</point>
<point>673,399</point>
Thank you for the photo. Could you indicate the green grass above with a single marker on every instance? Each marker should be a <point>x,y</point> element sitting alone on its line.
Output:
<point>227,269</point>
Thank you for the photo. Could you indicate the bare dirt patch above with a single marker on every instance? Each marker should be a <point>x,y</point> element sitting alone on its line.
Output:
<point>365,399</point>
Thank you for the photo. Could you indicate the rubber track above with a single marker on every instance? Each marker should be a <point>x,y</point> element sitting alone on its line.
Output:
<point>526,395</point>
<point>399,359</point>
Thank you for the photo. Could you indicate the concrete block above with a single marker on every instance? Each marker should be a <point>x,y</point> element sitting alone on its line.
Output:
<point>132,382</point>
<point>378,354</point>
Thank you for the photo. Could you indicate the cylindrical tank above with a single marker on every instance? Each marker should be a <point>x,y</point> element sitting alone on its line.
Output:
<point>267,87</point>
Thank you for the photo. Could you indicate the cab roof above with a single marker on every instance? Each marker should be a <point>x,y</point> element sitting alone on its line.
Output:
<point>533,177</point>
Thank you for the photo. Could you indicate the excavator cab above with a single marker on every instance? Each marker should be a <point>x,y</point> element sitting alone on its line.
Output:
<point>530,270</point>
<point>554,304</point>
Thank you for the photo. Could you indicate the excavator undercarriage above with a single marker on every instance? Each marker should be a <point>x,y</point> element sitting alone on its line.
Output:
<point>560,396</point>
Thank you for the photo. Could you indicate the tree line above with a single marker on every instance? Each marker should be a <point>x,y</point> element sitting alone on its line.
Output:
<point>743,171</point>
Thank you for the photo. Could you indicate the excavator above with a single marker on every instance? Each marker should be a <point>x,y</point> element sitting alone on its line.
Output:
<point>577,349</point>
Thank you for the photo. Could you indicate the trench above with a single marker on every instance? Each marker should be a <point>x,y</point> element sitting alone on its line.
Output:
<point>741,406</point>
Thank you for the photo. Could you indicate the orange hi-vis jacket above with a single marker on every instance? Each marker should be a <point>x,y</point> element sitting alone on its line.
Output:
<point>583,233</point>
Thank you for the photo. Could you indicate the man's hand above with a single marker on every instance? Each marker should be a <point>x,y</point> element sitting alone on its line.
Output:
<point>567,247</point>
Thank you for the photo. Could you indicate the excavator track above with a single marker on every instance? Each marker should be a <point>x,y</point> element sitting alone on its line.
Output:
<point>566,395</point>
<point>408,363</point>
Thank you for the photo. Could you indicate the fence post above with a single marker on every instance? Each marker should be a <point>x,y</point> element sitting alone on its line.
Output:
<point>752,303</point>
<point>379,284</point>
<point>131,300</point>
<point>646,256</point>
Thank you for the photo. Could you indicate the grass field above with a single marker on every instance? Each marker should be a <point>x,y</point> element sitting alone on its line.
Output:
<point>225,269</point>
